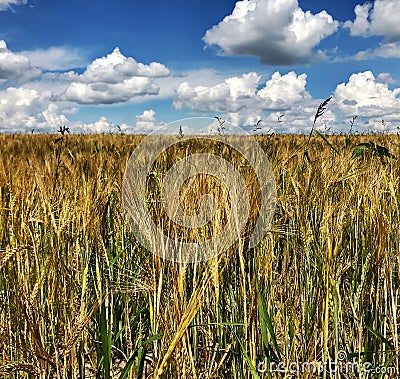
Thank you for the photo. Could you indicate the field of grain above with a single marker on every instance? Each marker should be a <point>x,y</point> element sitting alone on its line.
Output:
<point>81,298</point>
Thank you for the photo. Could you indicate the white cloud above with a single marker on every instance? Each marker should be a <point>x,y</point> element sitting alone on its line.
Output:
<point>276,31</point>
<point>380,18</point>
<point>104,93</point>
<point>147,122</point>
<point>377,19</point>
<point>22,109</point>
<point>55,58</point>
<point>100,126</point>
<point>143,123</point>
<point>115,67</point>
<point>225,96</point>
<point>388,50</point>
<point>15,67</point>
<point>281,92</point>
<point>385,50</point>
<point>366,96</point>
<point>53,117</point>
<point>386,78</point>
<point>361,23</point>
<point>112,79</point>
<point>7,4</point>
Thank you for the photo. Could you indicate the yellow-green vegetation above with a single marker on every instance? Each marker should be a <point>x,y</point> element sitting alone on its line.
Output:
<point>79,296</point>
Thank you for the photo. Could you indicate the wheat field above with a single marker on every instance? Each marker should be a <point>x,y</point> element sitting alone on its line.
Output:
<point>81,298</point>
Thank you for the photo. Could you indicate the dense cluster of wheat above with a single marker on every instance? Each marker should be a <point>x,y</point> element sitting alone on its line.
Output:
<point>80,297</point>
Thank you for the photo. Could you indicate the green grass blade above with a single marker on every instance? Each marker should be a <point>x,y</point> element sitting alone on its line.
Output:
<point>253,370</point>
<point>105,343</point>
<point>267,329</point>
<point>140,354</point>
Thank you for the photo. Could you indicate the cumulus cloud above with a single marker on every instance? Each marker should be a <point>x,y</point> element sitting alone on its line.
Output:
<point>53,117</point>
<point>283,91</point>
<point>225,96</point>
<point>386,78</point>
<point>115,67</point>
<point>113,79</point>
<point>236,93</point>
<point>380,18</point>
<point>361,24</point>
<point>102,125</point>
<point>23,108</point>
<point>147,122</point>
<point>279,32</point>
<point>105,93</point>
<point>367,96</point>
<point>377,19</point>
<point>7,4</point>
<point>15,67</point>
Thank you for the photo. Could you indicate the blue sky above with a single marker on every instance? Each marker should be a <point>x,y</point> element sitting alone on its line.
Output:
<point>93,65</point>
